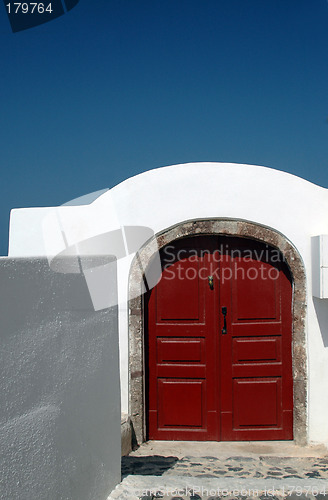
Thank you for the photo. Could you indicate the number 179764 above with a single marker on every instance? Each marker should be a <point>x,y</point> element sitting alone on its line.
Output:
<point>28,8</point>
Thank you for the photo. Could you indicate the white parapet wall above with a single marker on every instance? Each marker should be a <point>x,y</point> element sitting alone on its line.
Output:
<point>59,385</point>
<point>164,197</point>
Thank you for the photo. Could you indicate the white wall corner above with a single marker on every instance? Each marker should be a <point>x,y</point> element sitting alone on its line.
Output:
<point>320,266</point>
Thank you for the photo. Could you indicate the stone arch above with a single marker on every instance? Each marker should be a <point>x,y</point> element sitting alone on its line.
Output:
<point>232,227</point>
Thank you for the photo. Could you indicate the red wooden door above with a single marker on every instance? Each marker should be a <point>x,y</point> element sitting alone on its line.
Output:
<point>212,376</point>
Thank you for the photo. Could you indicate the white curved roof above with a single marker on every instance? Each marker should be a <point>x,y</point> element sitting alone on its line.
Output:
<point>163,197</point>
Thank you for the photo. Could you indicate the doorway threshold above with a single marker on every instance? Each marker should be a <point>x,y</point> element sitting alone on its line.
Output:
<point>226,449</point>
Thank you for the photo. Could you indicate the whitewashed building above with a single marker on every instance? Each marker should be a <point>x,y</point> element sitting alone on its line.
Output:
<point>198,347</point>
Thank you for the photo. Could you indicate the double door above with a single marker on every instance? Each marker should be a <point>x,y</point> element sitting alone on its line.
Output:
<point>218,343</point>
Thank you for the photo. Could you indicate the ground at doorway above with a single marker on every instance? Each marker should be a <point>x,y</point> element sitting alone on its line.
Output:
<point>201,471</point>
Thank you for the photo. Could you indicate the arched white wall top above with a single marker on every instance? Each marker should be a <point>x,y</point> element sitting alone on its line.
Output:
<point>165,196</point>
<point>162,197</point>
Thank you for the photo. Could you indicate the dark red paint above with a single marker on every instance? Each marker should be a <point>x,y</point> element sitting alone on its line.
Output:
<point>202,384</point>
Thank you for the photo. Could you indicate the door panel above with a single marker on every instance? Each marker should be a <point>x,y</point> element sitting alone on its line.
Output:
<point>182,402</point>
<point>191,308</point>
<point>177,350</point>
<point>248,408</point>
<point>256,350</point>
<point>245,284</point>
<point>203,384</point>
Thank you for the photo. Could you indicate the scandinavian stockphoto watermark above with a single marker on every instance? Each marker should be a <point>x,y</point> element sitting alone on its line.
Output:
<point>81,237</point>
<point>234,272</point>
<point>223,264</point>
<point>77,240</point>
<point>199,492</point>
<point>223,252</point>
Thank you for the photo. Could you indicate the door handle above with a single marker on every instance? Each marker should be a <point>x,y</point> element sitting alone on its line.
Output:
<point>224,329</point>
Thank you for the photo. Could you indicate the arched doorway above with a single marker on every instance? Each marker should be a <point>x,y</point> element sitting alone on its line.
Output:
<point>220,227</point>
<point>218,342</point>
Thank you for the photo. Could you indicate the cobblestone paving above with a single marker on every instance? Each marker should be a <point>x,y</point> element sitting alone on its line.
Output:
<point>213,478</point>
<point>233,467</point>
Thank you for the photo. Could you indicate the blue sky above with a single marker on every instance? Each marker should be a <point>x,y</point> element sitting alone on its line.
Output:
<point>117,87</point>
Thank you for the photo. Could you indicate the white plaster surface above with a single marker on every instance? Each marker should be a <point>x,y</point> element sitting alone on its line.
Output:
<point>163,197</point>
<point>59,385</point>
<point>320,266</point>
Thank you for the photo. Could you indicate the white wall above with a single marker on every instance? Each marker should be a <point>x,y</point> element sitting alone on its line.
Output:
<point>59,385</point>
<point>163,197</point>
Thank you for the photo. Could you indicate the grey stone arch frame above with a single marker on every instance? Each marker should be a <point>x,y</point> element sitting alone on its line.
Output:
<point>223,227</point>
